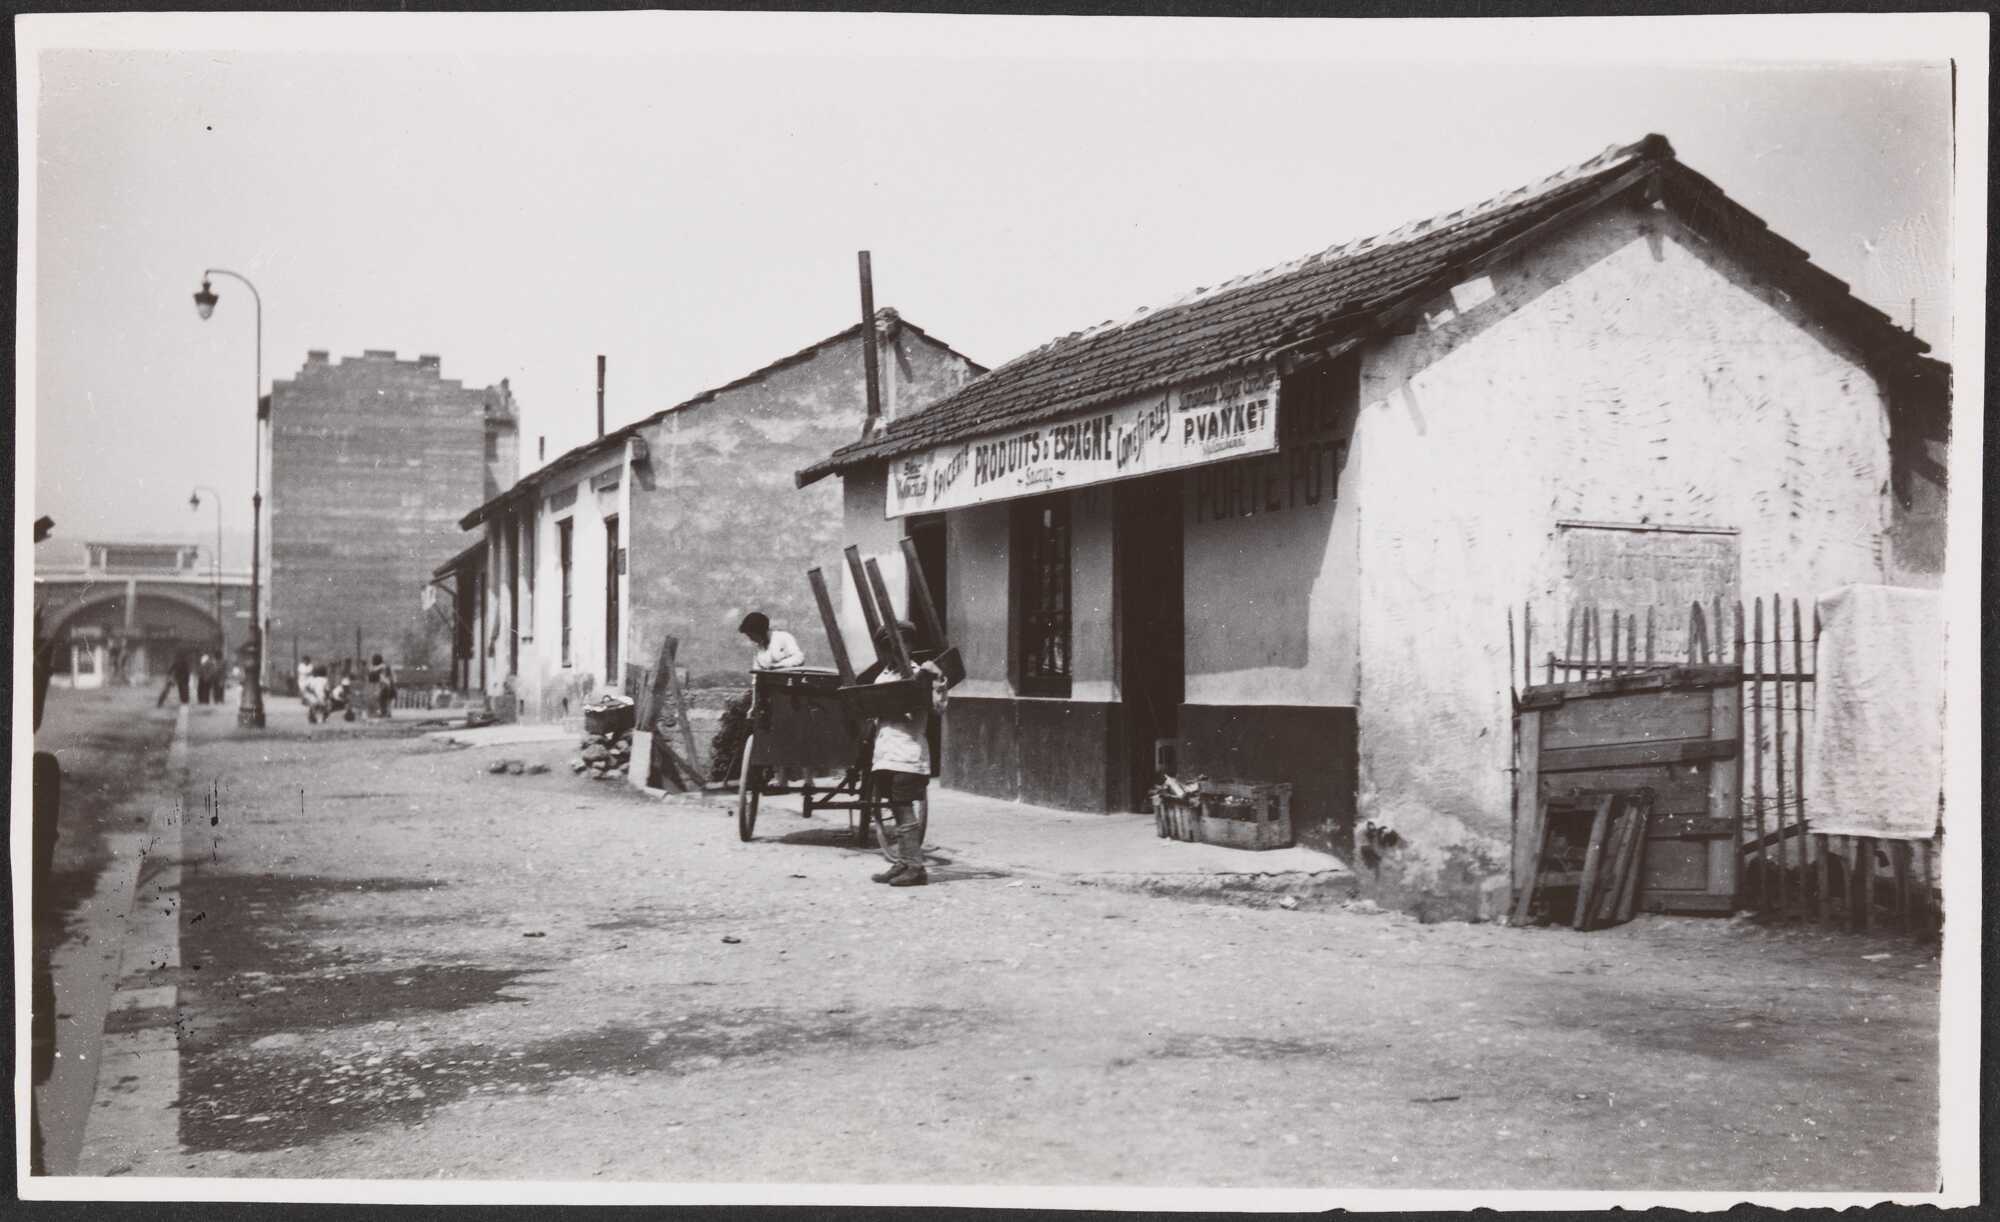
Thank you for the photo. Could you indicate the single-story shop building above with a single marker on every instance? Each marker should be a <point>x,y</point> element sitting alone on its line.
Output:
<point>1275,527</point>
<point>677,525</point>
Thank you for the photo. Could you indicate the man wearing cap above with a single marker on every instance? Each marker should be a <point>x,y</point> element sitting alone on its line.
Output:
<point>900,769</point>
<point>776,650</point>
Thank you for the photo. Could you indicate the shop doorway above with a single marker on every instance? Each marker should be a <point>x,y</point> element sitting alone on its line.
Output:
<point>1151,638</point>
<point>927,536</point>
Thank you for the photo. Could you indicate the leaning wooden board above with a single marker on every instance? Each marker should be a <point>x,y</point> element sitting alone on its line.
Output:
<point>1674,732</point>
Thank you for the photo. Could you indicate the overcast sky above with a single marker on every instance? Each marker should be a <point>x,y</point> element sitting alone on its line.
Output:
<point>686,195</point>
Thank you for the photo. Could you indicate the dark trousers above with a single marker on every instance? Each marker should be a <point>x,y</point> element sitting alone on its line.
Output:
<point>174,682</point>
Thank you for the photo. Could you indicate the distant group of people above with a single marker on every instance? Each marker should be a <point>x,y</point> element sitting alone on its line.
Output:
<point>324,694</point>
<point>207,674</point>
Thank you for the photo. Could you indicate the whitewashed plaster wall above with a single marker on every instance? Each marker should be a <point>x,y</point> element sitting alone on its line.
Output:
<point>1627,372</point>
<point>1270,597</point>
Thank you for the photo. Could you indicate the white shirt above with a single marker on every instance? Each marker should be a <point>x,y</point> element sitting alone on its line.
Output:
<point>903,744</point>
<point>781,652</point>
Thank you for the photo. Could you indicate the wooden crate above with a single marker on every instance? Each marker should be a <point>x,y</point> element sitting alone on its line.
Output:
<point>1241,815</point>
<point>1176,818</point>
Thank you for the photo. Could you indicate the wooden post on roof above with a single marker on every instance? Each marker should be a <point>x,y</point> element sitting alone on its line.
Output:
<point>868,356</point>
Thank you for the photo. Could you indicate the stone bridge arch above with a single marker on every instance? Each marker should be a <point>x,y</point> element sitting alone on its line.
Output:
<point>103,603</point>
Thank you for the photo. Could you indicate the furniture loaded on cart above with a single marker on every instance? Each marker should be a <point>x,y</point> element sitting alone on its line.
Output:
<point>809,725</point>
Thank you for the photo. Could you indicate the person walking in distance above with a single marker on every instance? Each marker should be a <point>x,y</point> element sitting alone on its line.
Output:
<point>305,673</point>
<point>381,686</point>
<point>177,679</point>
<point>900,767</point>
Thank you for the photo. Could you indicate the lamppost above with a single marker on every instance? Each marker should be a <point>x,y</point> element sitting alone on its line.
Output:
<point>215,565</point>
<point>251,713</point>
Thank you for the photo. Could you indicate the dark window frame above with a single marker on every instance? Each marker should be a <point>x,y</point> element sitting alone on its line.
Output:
<point>1041,630</point>
<point>566,557</point>
<point>613,588</point>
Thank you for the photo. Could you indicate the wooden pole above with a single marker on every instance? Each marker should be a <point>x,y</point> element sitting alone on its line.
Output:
<point>1785,880</point>
<point>1632,641</point>
<point>869,613</point>
<point>1697,636</point>
<point>1799,734</point>
<point>1593,859</point>
<point>868,356</point>
<point>1757,749</point>
<point>1569,642</point>
<point>835,644</point>
<point>1513,698</point>
<point>1597,634</point>
<point>899,649</point>
<point>1649,636</point>
<point>1527,644</point>
<point>1615,633</point>
<point>1628,894</point>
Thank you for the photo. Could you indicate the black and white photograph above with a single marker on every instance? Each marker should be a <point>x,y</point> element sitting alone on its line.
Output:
<point>1082,612</point>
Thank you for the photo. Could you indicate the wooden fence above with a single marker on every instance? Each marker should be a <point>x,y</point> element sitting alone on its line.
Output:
<point>1788,869</point>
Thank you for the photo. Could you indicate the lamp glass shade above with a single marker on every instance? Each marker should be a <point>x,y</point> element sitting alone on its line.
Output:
<point>204,300</point>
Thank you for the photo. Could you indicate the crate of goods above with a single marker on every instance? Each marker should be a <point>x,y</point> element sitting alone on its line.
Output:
<point>1241,815</point>
<point>1176,817</point>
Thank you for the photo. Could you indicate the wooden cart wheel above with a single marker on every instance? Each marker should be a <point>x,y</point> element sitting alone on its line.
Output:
<point>746,793</point>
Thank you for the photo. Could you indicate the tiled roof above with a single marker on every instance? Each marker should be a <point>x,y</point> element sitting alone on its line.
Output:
<point>887,322</point>
<point>1333,299</point>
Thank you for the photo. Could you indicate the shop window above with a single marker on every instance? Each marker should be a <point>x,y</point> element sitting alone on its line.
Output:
<point>1040,548</point>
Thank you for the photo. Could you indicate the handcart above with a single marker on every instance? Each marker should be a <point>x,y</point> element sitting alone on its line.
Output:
<point>801,728</point>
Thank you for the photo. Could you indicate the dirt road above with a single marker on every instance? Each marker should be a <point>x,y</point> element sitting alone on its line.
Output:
<point>394,964</point>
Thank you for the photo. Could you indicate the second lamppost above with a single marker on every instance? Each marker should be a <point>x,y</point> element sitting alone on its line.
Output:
<point>215,566</point>
<point>251,713</point>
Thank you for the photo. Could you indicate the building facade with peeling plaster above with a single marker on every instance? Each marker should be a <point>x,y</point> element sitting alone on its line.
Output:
<point>1467,415</point>
<point>675,525</point>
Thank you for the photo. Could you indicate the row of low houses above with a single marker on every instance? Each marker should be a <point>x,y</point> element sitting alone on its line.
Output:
<point>1271,530</point>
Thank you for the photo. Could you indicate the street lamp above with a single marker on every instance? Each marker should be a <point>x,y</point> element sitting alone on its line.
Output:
<point>251,713</point>
<point>215,565</point>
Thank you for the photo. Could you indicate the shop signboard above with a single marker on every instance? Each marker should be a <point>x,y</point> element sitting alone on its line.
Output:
<point>1185,427</point>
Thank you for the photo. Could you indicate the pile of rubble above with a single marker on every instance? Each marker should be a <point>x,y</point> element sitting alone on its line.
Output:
<point>604,755</point>
<point>516,768</point>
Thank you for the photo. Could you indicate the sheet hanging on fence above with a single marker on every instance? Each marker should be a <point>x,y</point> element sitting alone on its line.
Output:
<point>1875,754</point>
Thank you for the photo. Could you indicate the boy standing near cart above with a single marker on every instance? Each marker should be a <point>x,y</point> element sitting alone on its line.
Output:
<point>900,769</point>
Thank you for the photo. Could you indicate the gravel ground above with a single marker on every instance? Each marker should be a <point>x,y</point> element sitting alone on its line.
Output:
<point>396,965</point>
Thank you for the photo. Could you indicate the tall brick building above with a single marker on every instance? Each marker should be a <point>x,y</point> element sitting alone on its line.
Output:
<point>373,461</point>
